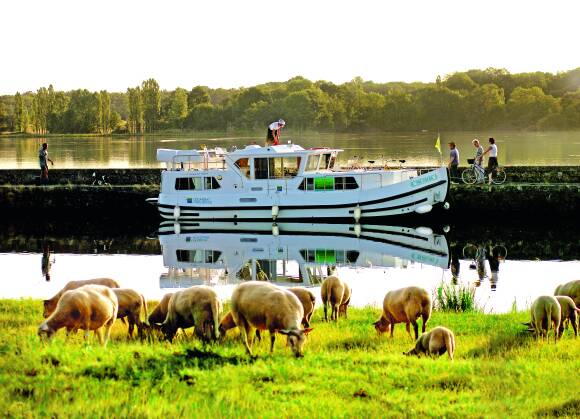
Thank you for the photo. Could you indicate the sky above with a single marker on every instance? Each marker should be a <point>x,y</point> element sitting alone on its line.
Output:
<point>114,44</point>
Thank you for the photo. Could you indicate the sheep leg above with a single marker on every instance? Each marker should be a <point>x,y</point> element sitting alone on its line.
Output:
<point>415,328</point>
<point>272,340</point>
<point>99,333</point>
<point>244,332</point>
<point>335,312</point>
<point>325,312</point>
<point>392,329</point>
<point>131,327</point>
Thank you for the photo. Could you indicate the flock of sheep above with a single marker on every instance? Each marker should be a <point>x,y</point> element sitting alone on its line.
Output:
<point>257,306</point>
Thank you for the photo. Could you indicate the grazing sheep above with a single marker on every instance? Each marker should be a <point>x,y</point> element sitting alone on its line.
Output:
<point>308,301</point>
<point>404,305</point>
<point>545,310</point>
<point>196,306</point>
<point>159,313</point>
<point>336,293</point>
<point>569,313</point>
<point>131,305</point>
<point>50,305</point>
<point>264,306</point>
<point>571,289</point>
<point>346,301</point>
<point>435,342</point>
<point>90,307</point>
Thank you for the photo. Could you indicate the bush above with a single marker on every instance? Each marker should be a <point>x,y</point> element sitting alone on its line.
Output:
<point>458,298</point>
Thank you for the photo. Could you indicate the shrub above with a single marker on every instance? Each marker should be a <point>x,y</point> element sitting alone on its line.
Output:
<point>458,298</point>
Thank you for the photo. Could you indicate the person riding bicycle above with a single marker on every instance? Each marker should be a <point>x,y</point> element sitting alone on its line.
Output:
<point>492,161</point>
<point>478,163</point>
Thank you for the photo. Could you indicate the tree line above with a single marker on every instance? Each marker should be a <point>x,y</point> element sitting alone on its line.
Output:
<point>471,100</point>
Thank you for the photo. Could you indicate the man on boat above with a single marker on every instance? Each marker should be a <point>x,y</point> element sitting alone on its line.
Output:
<point>274,129</point>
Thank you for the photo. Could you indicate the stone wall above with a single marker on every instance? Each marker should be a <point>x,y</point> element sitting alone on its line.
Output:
<point>524,174</point>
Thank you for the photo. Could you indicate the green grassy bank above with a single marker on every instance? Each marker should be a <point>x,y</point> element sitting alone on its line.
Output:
<point>347,371</point>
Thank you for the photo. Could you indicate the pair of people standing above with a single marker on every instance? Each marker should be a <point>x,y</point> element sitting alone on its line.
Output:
<point>492,163</point>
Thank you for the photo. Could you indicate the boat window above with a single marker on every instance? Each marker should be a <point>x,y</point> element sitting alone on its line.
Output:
<point>260,168</point>
<point>283,167</point>
<point>244,166</point>
<point>211,183</point>
<point>329,256</point>
<point>198,256</point>
<point>325,162</point>
<point>188,183</point>
<point>328,183</point>
<point>312,163</point>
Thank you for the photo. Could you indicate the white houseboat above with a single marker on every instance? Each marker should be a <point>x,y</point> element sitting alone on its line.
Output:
<point>225,254</point>
<point>288,182</point>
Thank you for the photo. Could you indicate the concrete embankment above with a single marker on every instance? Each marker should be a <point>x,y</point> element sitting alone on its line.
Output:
<point>70,196</point>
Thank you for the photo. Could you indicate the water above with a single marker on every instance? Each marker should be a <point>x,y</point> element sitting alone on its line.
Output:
<point>372,264</point>
<point>515,148</point>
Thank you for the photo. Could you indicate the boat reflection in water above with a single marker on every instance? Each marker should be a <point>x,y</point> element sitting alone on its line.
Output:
<point>225,253</point>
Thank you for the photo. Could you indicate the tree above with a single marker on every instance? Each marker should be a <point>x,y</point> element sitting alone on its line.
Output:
<point>399,112</point>
<point>460,82</point>
<point>527,106</point>
<point>40,108</point>
<point>151,104</point>
<point>104,111</point>
<point>440,108</point>
<point>485,107</point>
<point>197,96</point>
<point>178,108</point>
<point>135,115</point>
<point>82,115</point>
<point>19,122</point>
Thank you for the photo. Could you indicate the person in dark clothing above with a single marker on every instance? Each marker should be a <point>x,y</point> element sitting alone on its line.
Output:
<point>43,160</point>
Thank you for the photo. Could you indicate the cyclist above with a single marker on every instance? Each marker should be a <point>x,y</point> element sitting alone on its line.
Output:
<point>492,161</point>
<point>478,164</point>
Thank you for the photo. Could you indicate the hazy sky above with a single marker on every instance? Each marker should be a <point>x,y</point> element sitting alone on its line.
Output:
<point>115,44</point>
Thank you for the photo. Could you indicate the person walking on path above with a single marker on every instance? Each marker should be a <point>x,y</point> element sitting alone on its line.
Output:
<point>453,161</point>
<point>274,129</point>
<point>478,163</point>
<point>492,161</point>
<point>43,160</point>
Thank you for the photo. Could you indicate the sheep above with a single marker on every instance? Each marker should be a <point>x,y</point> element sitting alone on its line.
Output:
<point>545,310</point>
<point>131,305</point>
<point>228,323</point>
<point>404,305</point>
<point>50,305</point>
<point>569,313</point>
<point>90,307</point>
<point>308,301</point>
<point>264,306</point>
<point>196,306</point>
<point>336,293</point>
<point>571,289</point>
<point>345,302</point>
<point>435,342</point>
<point>159,313</point>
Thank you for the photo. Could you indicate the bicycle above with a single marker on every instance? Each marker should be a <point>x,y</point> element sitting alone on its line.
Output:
<point>477,174</point>
<point>102,181</point>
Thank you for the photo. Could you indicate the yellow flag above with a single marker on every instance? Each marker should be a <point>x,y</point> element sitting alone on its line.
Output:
<point>438,143</point>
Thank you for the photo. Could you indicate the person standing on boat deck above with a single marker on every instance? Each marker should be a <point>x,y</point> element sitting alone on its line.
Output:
<point>274,129</point>
<point>478,164</point>
<point>453,161</point>
<point>43,160</point>
<point>492,161</point>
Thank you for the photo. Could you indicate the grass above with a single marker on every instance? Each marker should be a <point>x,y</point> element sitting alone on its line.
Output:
<point>347,371</point>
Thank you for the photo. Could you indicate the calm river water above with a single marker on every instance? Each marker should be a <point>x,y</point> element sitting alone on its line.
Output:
<point>515,148</point>
<point>505,269</point>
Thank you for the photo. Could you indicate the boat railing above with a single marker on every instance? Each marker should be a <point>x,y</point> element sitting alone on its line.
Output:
<point>198,161</point>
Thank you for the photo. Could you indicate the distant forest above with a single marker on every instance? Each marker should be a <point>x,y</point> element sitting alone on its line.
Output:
<point>471,100</point>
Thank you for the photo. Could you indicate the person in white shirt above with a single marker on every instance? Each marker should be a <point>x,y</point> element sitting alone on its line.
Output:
<point>492,161</point>
<point>274,131</point>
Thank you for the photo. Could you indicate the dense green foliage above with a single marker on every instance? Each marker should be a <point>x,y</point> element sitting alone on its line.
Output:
<point>347,371</point>
<point>471,100</point>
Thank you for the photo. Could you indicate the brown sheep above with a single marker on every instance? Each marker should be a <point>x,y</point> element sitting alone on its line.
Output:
<point>571,289</point>
<point>131,305</point>
<point>335,293</point>
<point>569,313</point>
<point>264,306</point>
<point>346,301</point>
<point>91,307</point>
<point>228,323</point>
<point>404,305</point>
<point>545,310</point>
<point>308,301</point>
<point>196,306</point>
<point>437,341</point>
<point>159,313</point>
<point>50,305</point>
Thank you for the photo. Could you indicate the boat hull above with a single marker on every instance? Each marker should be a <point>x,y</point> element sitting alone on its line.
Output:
<point>414,196</point>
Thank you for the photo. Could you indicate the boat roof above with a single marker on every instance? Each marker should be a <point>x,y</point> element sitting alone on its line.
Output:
<point>256,150</point>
